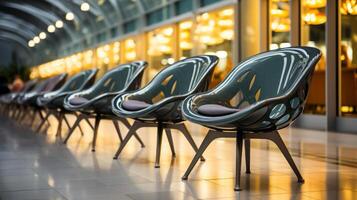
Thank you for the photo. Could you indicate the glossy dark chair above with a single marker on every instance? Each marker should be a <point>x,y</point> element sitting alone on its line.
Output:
<point>263,94</point>
<point>95,102</point>
<point>28,101</point>
<point>52,102</point>
<point>157,104</point>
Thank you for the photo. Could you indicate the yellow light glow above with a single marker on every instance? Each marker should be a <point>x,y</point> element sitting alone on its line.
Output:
<point>31,43</point>
<point>36,40</point>
<point>348,7</point>
<point>279,13</point>
<point>168,31</point>
<point>227,12</point>
<point>314,3</point>
<point>227,34</point>
<point>314,17</point>
<point>59,24</point>
<point>185,25</point>
<point>69,16</point>
<point>85,6</point>
<point>42,35</point>
<point>130,43</point>
<point>51,28</point>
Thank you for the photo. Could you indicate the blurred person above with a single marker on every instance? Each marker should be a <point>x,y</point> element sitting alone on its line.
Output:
<point>17,84</point>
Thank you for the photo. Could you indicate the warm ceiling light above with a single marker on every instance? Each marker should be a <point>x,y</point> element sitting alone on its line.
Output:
<point>85,6</point>
<point>51,28</point>
<point>314,17</point>
<point>42,35</point>
<point>315,3</point>
<point>36,39</point>
<point>59,24</point>
<point>69,16</point>
<point>31,43</point>
<point>349,7</point>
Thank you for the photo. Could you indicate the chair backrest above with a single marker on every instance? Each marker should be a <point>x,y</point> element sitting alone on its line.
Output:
<point>122,78</point>
<point>54,83</point>
<point>268,75</point>
<point>29,85</point>
<point>182,78</point>
<point>79,81</point>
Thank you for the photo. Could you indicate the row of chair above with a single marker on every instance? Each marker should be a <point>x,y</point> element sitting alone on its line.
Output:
<point>261,95</point>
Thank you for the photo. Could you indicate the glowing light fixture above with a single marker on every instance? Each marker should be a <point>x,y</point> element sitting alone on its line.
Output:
<point>314,17</point>
<point>36,40</point>
<point>315,3</point>
<point>31,43</point>
<point>85,7</point>
<point>59,24</point>
<point>69,16</point>
<point>349,7</point>
<point>51,28</point>
<point>42,35</point>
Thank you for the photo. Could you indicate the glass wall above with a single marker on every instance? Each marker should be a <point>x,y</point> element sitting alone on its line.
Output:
<point>348,59</point>
<point>279,24</point>
<point>313,30</point>
<point>160,51</point>
<point>185,39</point>
<point>214,35</point>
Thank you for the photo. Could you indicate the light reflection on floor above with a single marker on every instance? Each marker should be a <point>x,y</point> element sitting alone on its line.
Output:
<point>39,166</point>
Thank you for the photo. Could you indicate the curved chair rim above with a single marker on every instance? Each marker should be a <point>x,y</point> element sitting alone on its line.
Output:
<point>118,100</point>
<point>83,106</point>
<point>212,121</point>
<point>50,97</point>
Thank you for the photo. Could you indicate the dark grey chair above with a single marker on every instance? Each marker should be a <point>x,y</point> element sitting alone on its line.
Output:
<point>157,104</point>
<point>28,101</point>
<point>52,102</point>
<point>263,94</point>
<point>95,102</point>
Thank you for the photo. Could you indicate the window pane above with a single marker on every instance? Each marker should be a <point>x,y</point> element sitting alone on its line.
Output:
<point>214,35</point>
<point>185,39</point>
<point>348,75</point>
<point>313,19</point>
<point>160,49</point>
<point>280,24</point>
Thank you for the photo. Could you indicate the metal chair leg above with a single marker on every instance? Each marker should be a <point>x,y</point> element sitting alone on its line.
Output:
<point>186,133</point>
<point>44,119</point>
<point>170,140</point>
<point>95,134</point>
<point>132,131</point>
<point>59,128</point>
<point>247,155</point>
<point>127,124</point>
<point>158,145</point>
<point>117,128</point>
<point>208,139</point>
<point>275,137</point>
<point>239,145</point>
<point>71,130</point>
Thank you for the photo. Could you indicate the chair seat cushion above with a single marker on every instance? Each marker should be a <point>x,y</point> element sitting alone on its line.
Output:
<point>215,110</point>
<point>134,105</point>
<point>78,101</point>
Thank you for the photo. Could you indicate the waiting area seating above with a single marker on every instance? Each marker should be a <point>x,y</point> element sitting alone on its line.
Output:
<point>260,96</point>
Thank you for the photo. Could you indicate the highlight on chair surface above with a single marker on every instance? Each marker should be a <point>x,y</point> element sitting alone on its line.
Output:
<point>261,95</point>
<point>158,103</point>
<point>95,102</point>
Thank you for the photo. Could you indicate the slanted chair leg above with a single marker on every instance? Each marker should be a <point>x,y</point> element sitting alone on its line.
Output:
<point>171,143</point>
<point>59,128</point>
<point>71,130</point>
<point>211,135</point>
<point>44,119</point>
<point>95,134</point>
<point>80,129</point>
<point>275,137</point>
<point>126,123</point>
<point>247,155</point>
<point>239,145</point>
<point>132,131</point>
<point>186,133</point>
<point>158,145</point>
<point>116,125</point>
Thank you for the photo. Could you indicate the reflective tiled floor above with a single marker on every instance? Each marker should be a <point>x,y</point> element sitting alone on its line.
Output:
<point>39,166</point>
